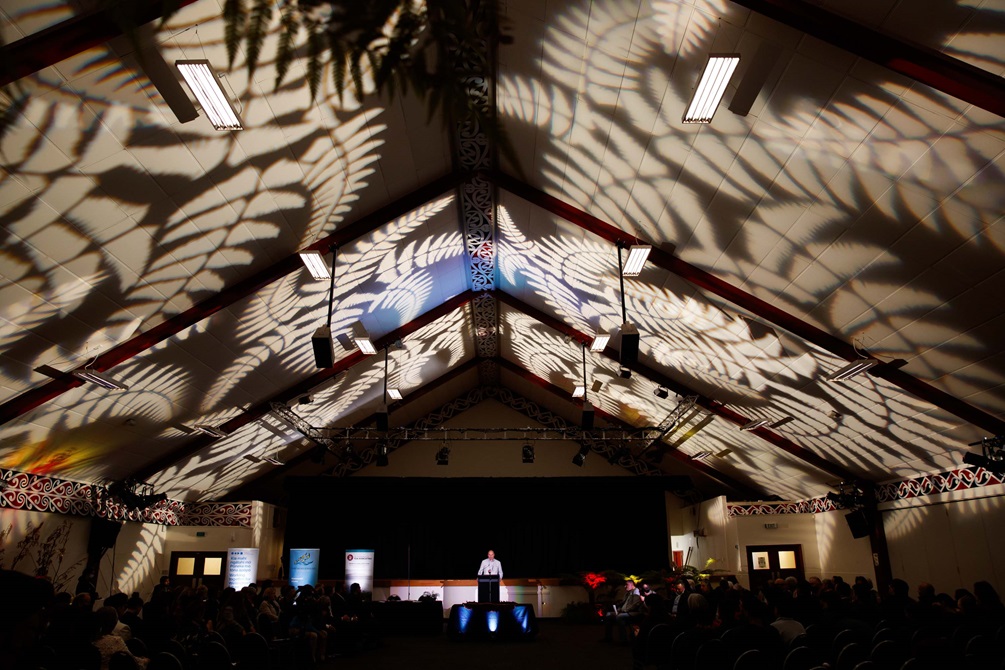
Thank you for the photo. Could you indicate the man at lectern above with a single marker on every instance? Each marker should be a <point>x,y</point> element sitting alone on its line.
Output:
<point>490,566</point>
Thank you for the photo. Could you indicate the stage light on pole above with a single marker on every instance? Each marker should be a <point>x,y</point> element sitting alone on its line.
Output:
<point>711,87</point>
<point>362,339</point>
<point>599,342</point>
<point>580,456</point>
<point>638,254</point>
<point>443,456</point>
<point>101,379</point>
<point>382,460</point>
<point>754,424</point>
<point>315,263</point>
<point>853,369</point>
<point>528,453</point>
<point>205,85</point>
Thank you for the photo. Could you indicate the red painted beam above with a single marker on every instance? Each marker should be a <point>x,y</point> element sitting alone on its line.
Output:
<point>920,63</point>
<point>708,404</point>
<point>300,388</point>
<point>706,281</point>
<point>36,397</point>
<point>76,35</point>
<point>748,492</point>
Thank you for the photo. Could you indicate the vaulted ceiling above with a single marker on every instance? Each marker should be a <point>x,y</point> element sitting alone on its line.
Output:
<point>847,201</point>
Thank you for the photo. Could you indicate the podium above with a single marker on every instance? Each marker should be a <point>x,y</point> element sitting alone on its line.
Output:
<point>488,588</point>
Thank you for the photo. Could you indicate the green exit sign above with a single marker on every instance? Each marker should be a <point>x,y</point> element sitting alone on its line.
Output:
<point>200,533</point>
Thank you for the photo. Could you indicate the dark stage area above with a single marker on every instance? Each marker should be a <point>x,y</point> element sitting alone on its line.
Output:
<point>441,528</point>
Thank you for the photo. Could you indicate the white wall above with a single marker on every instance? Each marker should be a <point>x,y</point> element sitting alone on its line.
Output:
<point>74,557</point>
<point>713,539</point>
<point>827,545</point>
<point>491,458</point>
<point>951,545</point>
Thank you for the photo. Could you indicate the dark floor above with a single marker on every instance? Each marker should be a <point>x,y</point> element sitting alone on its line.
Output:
<point>557,645</point>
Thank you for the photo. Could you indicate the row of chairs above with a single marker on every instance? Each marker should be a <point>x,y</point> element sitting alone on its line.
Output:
<point>887,648</point>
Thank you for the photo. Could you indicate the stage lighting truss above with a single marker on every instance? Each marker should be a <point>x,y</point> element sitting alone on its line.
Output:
<point>992,456</point>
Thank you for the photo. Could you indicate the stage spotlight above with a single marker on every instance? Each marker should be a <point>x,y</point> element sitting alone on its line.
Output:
<point>443,456</point>
<point>528,453</point>
<point>382,461</point>
<point>661,392</point>
<point>580,457</point>
<point>624,372</point>
<point>587,423</point>
<point>383,419</point>
<point>992,456</point>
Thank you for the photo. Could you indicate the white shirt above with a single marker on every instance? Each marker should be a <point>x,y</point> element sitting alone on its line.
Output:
<point>490,566</point>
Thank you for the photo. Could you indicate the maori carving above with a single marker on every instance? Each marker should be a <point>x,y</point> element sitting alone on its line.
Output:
<point>38,493</point>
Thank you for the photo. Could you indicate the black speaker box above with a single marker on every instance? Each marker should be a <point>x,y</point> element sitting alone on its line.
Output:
<point>859,523</point>
<point>104,533</point>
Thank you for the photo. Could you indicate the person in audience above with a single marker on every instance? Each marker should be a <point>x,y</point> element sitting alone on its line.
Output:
<point>628,611</point>
<point>118,602</point>
<point>131,615</point>
<point>107,642</point>
<point>678,608</point>
<point>989,604</point>
<point>898,607</point>
<point>788,627</point>
<point>229,629</point>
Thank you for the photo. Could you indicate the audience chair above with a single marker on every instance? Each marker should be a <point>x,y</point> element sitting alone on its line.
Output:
<point>164,661</point>
<point>713,655</point>
<point>852,654</point>
<point>801,658</point>
<point>752,659</point>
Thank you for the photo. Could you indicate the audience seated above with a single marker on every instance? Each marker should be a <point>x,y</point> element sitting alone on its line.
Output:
<point>836,625</point>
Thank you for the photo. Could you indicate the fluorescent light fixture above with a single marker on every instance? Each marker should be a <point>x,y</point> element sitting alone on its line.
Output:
<point>362,339</point>
<point>316,264</point>
<point>324,348</point>
<point>711,86</point>
<point>103,380</point>
<point>394,394</point>
<point>212,431</point>
<point>579,391</point>
<point>600,341</point>
<point>271,460</point>
<point>756,423</point>
<point>852,369</point>
<point>206,87</point>
<point>701,455</point>
<point>637,256</point>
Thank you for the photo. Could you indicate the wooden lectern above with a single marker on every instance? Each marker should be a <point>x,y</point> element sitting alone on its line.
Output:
<point>488,588</point>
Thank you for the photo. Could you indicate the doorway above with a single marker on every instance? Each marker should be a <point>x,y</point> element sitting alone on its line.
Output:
<point>197,568</point>
<point>768,562</point>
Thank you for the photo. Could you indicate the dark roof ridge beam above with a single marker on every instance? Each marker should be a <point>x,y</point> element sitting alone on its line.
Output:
<point>890,371</point>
